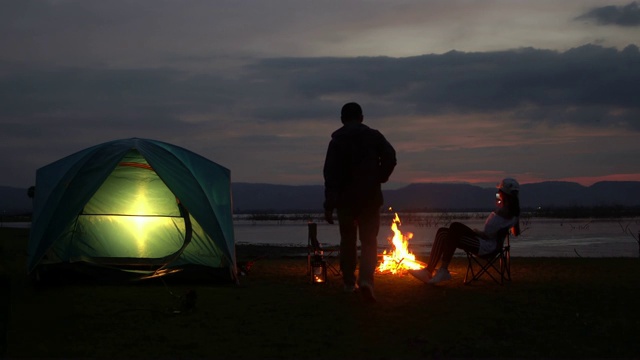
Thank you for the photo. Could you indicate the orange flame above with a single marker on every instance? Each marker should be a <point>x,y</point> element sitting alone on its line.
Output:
<point>400,258</point>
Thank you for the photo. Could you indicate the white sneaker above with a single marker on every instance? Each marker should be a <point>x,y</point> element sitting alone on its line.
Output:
<point>441,275</point>
<point>423,275</point>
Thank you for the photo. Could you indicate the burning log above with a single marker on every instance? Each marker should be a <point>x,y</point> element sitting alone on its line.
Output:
<point>400,259</point>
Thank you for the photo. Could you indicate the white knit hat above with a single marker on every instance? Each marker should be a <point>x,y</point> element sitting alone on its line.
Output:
<point>509,186</point>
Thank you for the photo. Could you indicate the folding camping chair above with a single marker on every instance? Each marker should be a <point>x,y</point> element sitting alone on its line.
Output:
<point>314,249</point>
<point>496,265</point>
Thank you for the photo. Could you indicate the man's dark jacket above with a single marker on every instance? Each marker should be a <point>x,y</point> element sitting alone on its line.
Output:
<point>359,159</point>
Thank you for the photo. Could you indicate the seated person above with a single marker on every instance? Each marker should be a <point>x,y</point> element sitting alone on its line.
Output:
<point>460,236</point>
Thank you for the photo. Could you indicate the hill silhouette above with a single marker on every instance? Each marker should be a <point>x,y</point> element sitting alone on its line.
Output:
<point>442,196</point>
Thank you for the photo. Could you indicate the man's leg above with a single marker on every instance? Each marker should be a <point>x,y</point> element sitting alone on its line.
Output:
<point>348,245</point>
<point>369,226</point>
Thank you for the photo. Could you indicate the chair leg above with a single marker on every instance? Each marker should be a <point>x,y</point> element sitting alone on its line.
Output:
<point>330,264</point>
<point>332,256</point>
<point>498,264</point>
<point>508,264</point>
<point>468,280</point>
<point>334,270</point>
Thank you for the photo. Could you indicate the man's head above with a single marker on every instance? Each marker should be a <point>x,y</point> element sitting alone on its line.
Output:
<point>351,112</point>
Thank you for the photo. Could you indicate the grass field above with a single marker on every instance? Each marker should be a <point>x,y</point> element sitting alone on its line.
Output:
<point>553,308</point>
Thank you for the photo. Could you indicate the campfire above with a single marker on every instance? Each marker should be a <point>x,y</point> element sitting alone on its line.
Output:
<point>399,259</point>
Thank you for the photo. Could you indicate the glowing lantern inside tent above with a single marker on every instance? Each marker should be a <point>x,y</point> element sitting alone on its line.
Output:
<point>399,259</point>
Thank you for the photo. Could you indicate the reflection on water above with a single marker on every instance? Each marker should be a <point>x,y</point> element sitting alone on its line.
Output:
<point>540,236</point>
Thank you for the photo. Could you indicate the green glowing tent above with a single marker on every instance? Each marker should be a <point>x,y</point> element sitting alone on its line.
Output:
<point>135,205</point>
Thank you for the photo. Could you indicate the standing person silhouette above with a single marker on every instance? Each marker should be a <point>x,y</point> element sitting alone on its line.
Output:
<point>359,159</point>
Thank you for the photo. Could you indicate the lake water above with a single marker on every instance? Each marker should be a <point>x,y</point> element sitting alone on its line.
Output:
<point>540,237</point>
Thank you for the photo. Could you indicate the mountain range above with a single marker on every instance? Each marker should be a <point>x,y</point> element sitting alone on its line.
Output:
<point>253,197</point>
<point>443,196</point>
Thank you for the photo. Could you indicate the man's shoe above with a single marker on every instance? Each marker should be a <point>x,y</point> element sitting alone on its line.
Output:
<point>349,288</point>
<point>367,293</point>
<point>441,275</point>
<point>423,275</point>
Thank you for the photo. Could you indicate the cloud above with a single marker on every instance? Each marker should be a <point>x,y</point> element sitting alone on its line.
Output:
<point>589,85</point>
<point>271,118</point>
<point>625,16</point>
<point>146,33</point>
<point>540,85</point>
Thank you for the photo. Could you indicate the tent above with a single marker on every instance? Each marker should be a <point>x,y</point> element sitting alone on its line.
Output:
<point>134,205</point>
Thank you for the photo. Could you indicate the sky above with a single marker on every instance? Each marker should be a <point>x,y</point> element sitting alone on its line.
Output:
<point>465,91</point>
